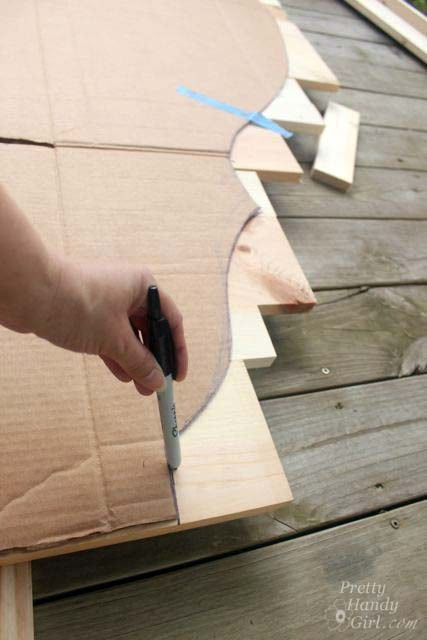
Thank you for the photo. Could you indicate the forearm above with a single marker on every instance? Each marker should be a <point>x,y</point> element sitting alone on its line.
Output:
<point>28,270</point>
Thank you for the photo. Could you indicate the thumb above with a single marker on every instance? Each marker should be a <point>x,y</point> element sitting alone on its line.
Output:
<point>138,362</point>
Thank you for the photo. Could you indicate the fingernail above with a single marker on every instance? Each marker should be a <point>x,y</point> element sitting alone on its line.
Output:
<point>155,380</point>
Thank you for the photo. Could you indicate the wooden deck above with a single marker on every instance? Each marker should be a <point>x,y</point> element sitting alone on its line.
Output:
<point>350,429</point>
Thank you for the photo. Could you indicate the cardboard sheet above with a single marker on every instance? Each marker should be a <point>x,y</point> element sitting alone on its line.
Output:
<point>82,453</point>
<point>102,72</point>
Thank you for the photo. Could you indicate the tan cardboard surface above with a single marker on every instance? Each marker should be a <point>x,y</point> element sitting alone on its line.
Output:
<point>108,71</point>
<point>82,453</point>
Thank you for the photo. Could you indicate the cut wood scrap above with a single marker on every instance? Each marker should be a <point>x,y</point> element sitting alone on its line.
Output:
<point>336,154</point>
<point>293,109</point>
<point>411,15</point>
<point>16,602</point>
<point>263,151</point>
<point>397,27</point>
<point>305,64</point>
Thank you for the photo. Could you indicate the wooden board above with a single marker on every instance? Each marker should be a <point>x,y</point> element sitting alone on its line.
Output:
<point>274,286</point>
<point>381,147</point>
<point>372,196</point>
<point>292,583</point>
<point>305,64</point>
<point>336,153</point>
<point>263,151</point>
<point>349,253</point>
<point>292,109</point>
<point>349,26</point>
<point>393,24</point>
<point>351,337</point>
<point>402,112</point>
<point>362,427</point>
<point>16,603</point>
<point>410,14</point>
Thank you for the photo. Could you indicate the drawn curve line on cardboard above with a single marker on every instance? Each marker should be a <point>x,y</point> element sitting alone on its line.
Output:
<point>100,207</point>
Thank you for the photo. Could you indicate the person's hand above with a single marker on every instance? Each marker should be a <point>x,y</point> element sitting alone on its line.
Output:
<point>89,310</point>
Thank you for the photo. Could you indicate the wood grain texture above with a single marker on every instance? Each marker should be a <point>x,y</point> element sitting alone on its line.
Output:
<point>263,151</point>
<point>336,151</point>
<point>377,193</point>
<point>374,433</point>
<point>258,593</point>
<point>362,428</point>
<point>381,147</point>
<point>360,65</point>
<point>292,109</point>
<point>326,7</point>
<point>393,24</point>
<point>410,14</point>
<point>348,26</point>
<point>305,63</point>
<point>348,253</point>
<point>16,603</point>
<point>336,50</point>
<point>401,112</point>
<point>355,336</point>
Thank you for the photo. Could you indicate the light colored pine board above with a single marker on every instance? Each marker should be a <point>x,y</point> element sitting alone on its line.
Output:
<point>401,112</point>
<point>259,593</point>
<point>272,3</point>
<point>241,455</point>
<point>410,14</point>
<point>336,153</point>
<point>292,109</point>
<point>369,430</point>
<point>377,193</point>
<point>349,26</point>
<point>263,151</point>
<point>381,147</point>
<point>305,64</point>
<point>349,253</point>
<point>264,271</point>
<point>357,336</point>
<point>16,603</point>
<point>394,25</point>
<point>251,341</point>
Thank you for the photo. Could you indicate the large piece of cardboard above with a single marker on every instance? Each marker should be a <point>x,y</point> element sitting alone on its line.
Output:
<point>82,454</point>
<point>105,73</point>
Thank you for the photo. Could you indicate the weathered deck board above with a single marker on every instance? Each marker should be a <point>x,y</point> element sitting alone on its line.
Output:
<point>341,25</point>
<point>376,109</point>
<point>359,337</point>
<point>257,594</point>
<point>370,431</point>
<point>376,193</point>
<point>327,7</point>
<point>381,147</point>
<point>359,68</point>
<point>350,253</point>
<point>382,56</point>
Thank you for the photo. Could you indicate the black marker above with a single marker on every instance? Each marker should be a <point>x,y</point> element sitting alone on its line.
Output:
<point>162,347</point>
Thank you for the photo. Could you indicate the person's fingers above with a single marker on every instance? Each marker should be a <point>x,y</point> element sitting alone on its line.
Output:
<point>137,361</point>
<point>143,390</point>
<point>174,316</point>
<point>116,369</point>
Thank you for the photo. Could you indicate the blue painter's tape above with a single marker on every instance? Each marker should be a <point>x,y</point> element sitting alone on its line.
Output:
<point>251,116</point>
